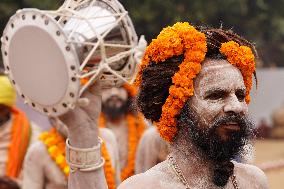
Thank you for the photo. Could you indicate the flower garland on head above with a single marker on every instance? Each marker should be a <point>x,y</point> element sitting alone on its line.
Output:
<point>181,38</point>
<point>136,127</point>
<point>243,58</point>
<point>55,144</point>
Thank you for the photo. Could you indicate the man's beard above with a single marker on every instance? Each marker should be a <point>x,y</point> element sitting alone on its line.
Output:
<point>212,146</point>
<point>113,112</point>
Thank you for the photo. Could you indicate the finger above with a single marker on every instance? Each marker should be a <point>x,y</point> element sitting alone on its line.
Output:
<point>82,102</point>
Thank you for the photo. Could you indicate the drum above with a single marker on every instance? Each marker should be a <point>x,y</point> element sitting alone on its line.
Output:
<point>52,57</point>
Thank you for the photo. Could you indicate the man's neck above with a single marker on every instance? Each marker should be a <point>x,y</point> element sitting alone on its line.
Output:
<point>117,121</point>
<point>195,167</point>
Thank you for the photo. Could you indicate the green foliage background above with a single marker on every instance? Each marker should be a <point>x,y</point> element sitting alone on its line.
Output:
<point>260,21</point>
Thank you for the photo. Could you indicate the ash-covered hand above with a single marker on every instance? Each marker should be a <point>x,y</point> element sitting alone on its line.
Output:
<point>82,122</point>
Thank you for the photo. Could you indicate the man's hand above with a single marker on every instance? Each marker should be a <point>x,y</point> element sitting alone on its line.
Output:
<point>82,122</point>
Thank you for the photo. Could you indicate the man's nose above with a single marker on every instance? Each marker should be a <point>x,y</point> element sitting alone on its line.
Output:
<point>233,105</point>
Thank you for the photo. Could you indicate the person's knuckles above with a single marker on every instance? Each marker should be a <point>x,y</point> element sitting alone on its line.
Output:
<point>74,118</point>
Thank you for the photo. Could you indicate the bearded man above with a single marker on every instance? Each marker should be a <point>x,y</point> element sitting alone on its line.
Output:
<point>119,115</point>
<point>16,132</point>
<point>195,85</point>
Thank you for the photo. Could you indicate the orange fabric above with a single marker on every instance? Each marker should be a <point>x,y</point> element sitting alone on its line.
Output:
<point>21,131</point>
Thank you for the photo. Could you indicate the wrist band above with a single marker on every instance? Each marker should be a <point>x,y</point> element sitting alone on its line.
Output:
<point>84,159</point>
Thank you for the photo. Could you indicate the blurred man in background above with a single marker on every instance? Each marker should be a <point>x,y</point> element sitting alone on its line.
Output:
<point>16,132</point>
<point>119,115</point>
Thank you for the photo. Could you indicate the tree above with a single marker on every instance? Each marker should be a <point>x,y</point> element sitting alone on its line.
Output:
<point>260,21</point>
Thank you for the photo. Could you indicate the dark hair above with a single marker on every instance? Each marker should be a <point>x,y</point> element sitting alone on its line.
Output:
<point>157,77</point>
<point>7,183</point>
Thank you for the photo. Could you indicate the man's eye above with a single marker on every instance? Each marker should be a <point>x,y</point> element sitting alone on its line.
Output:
<point>241,95</point>
<point>215,96</point>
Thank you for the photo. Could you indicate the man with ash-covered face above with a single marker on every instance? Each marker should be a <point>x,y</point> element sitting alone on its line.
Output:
<point>119,115</point>
<point>195,85</point>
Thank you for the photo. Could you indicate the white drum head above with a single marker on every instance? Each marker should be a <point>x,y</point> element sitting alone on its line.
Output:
<point>40,62</point>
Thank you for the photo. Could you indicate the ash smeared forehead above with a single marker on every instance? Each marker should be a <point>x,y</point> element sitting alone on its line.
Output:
<point>218,74</point>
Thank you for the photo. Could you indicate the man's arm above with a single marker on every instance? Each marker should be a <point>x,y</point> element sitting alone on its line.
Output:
<point>82,123</point>
<point>152,149</point>
<point>260,176</point>
<point>147,151</point>
<point>251,176</point>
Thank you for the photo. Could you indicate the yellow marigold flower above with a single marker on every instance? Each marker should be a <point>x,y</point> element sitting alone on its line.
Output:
<point>50,141</point>
<point>60,159</point>
<point>66,170</point>
<point>54,151</point>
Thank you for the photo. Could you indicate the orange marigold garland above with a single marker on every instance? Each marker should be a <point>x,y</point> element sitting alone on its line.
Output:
<point>181,38</point>
<point>136,127</point>
<point>243,58</point>
<point>56,148</point>
<point>55,144</point>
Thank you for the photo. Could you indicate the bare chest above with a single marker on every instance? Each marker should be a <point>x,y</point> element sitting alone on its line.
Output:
<point>121,134</point>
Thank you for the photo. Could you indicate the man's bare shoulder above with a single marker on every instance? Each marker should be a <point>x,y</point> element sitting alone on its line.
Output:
<point>36,154</point>
<point>36,150</point>
<point>252,174</point>
<point>107,135</point>
<point>140,181</point>
<point>157,177</point>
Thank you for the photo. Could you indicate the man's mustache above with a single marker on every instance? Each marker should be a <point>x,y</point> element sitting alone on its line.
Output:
<point>244,123</point>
